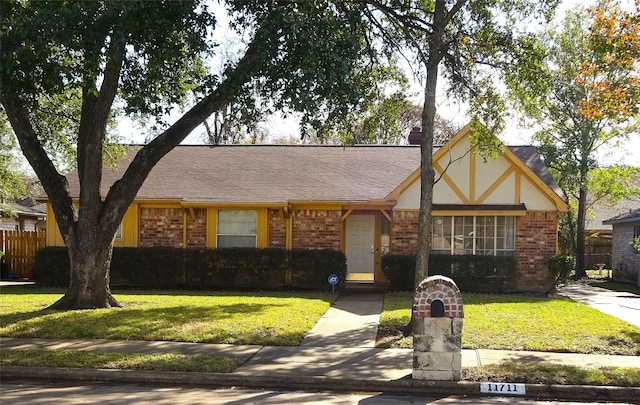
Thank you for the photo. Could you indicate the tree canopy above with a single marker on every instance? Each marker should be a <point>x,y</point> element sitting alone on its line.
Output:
<point>85,61</point>
<point>575,116</point>
<point>146,58</point>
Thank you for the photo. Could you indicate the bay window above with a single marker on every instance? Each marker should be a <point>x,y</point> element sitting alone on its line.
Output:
<point>473,235</point>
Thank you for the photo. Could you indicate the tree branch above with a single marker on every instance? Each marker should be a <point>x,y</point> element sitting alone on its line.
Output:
<point>54,184</point>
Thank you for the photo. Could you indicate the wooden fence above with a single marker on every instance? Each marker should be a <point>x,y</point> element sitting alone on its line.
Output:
<point>19,248</point>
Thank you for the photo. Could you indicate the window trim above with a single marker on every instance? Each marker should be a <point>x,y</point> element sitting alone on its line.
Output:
<point>219,234</point>
<point>473,235</point>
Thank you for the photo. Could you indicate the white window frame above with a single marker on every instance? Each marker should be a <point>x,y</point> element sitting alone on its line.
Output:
<point>459,243</point>
<point>250,232</point>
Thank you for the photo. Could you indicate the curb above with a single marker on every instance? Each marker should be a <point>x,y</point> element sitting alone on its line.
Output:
<point>404,386</point>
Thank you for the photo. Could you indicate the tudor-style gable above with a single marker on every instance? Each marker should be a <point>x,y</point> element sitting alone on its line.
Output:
<point>516,178</point>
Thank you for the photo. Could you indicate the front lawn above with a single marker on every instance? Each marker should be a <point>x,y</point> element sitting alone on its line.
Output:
<point>516,322</point>
<point>259,318</point>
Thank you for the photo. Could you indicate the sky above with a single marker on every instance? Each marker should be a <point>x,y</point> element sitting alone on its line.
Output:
<point>514,134</point>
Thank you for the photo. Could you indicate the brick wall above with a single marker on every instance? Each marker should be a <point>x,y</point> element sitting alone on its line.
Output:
<point>536,241</point>
<point>625,262</point>
<point>277,228</point>
<point>197,228</point>
<point>404,233</point>
<point>161,227</point>
<point>316,229</point>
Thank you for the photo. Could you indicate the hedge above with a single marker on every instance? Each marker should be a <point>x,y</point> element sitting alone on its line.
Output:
<point>470,272</point>
<point>238,268</point>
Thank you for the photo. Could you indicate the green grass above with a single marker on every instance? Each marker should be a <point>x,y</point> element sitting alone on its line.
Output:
<point>122,361</point>
<point>515,322</point>
<point>534,373</point>
<point>261,318</point>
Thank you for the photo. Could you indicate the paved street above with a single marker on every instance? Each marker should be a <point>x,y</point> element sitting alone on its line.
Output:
<point>28,392</point>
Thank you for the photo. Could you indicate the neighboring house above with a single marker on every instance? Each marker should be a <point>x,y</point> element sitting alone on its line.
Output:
<point>27,217</point>
<point>599,235</point>
<point>363,200</point>
<point>625,260</point>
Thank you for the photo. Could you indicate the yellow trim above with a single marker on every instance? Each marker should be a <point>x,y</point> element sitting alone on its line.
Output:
<point>521,170</point>
<point>495,184</point>
<point>53,237</point>
<point>161,202</point>
<point>395,194</point>
<point>386,214</point>
<point>479,213</point>
<point>212,228</point>
<point>518,187</point>
<point>378,275</point>
<point>472,175</point>
<point>184,229</point>
<point>159,205</point>
<point>288,243</point>
<point>243,206</point>
<point>536,181</point>
<point>360,277</point>
<point>451,183</point>
<point>262,228</point>
<point>463,133</point>
<point>346,214</point>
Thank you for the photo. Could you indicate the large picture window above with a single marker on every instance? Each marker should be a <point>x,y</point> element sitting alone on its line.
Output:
<point>470,235</point>
<point>237,228</point>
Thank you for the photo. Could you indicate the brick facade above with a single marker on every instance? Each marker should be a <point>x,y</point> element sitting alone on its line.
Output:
<point>404,233</point>
<point>536,242</point>
<point>316,229</point>
<point>625,262</point>
<point>277,228</point>
<point>161,227</point>
<point>197,228</point>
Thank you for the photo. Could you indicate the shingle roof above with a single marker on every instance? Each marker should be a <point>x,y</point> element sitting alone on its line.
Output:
<point>273,173</point>
<point>602,212</point>
<point>277,174</point>
<point>530,157</point>
<point>630,216</point>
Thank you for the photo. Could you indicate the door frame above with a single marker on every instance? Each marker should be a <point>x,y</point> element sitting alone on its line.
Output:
<point>378,275</point>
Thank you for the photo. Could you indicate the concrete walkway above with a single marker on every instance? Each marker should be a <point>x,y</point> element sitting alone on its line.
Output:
<point>351,322</point>
<point>622,305</point>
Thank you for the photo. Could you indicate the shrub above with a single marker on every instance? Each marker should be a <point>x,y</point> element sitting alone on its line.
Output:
<point>470,272</point>
<point>635,244</point>
<point>561,266</point>
<point>163,267</point>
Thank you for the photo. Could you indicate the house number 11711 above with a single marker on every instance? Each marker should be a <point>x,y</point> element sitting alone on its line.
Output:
<point>500,388</point>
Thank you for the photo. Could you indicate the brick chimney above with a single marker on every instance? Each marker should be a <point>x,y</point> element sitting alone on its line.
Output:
<point>415,136</point>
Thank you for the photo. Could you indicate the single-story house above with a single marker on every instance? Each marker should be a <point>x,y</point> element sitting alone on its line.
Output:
<point>26,216</point>
<point>625,260</point>
<point>599,233</point>
<point>362,200</point>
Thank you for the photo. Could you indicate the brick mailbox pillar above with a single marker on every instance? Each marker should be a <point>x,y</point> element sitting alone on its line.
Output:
<point>437,339</point>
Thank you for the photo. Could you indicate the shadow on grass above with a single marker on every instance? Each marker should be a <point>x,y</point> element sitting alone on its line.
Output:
<point>628,339</point>
<point>184,323</point>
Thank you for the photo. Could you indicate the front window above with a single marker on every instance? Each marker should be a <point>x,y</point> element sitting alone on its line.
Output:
<point>469,235</point>
<point>237,228</point>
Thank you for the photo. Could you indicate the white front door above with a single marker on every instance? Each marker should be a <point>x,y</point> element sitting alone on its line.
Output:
<point>359,247</point>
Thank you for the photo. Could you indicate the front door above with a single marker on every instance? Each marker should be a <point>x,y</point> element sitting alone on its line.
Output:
<point>360,247</point>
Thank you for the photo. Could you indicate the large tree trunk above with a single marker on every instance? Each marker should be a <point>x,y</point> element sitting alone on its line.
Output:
<point>90,260</point>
